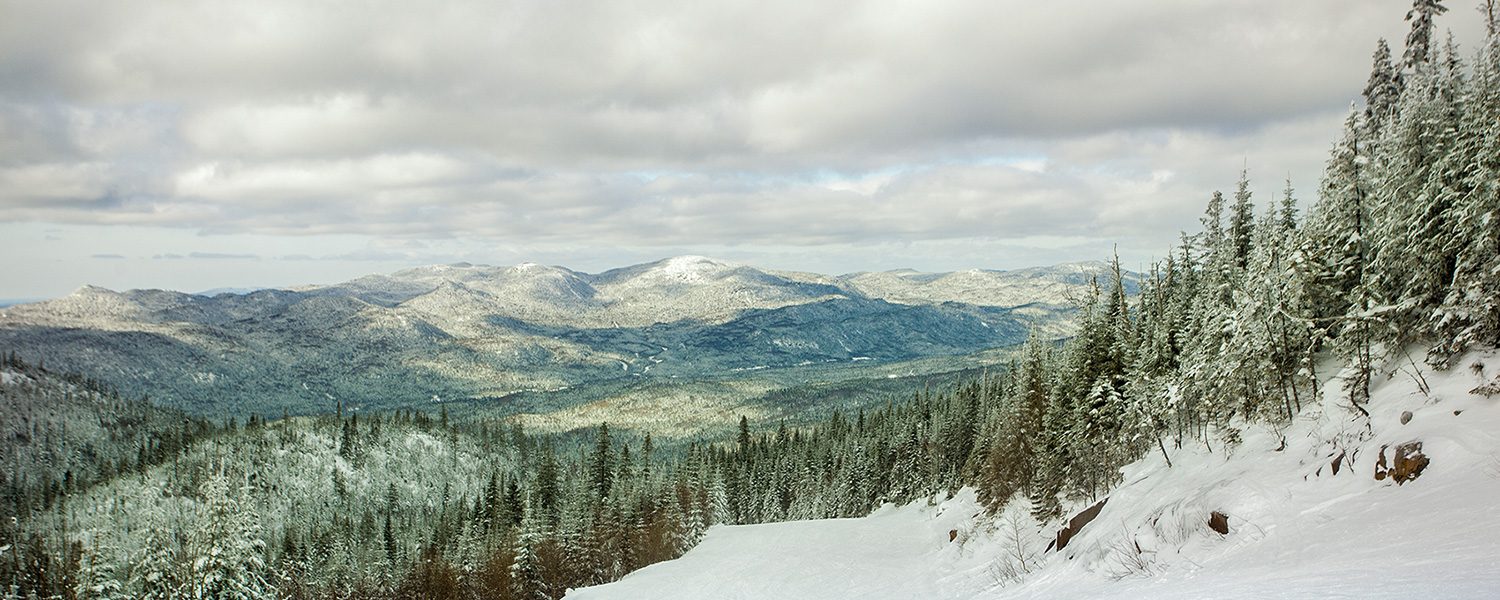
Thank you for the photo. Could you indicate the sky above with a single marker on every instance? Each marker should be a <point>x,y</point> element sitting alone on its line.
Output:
<point>207,144</point>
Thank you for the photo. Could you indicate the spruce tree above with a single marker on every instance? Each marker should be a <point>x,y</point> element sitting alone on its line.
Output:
<point>602,463</point>
<point>1419,39</point>
<point>1381,91</point>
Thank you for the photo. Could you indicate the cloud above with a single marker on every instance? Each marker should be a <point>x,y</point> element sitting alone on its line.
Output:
<point>221,256</point>
<point>205,256</point>
<point>107,256</point>
<point>581,124</point>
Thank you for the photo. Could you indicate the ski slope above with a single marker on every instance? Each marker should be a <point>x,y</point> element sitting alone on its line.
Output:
<point>1296,530</point>
<point>879,556</point>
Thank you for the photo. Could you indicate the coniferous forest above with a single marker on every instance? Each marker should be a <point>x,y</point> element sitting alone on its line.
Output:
<point>1393,259</point>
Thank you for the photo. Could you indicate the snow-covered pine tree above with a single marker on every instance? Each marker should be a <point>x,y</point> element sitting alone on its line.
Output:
<point>1333,262</point>
<point>1416,180</point>
<point>1241,223</point>
<point>1470,311</point>
<point>1207,389</point>
<point>1381,91</point>
<point>225,553</point>
<point>602,463</point>
<point>526,571</point>
<point>1419,39</point>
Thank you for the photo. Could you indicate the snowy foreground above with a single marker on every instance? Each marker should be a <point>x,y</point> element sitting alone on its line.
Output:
<point>1296,530</point>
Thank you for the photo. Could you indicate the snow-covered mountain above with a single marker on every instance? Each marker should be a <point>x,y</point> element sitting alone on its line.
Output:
<point>1308,514</point>
<point>1051,285</point>
<point>465,330</point>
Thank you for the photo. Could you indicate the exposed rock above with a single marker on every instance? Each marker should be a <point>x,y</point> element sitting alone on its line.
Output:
<point>1381,469</point>
<point>1219,522</point>
<point>1337,460</point>
<point>1407,464</point>
<point>1405,417</point>
<point>1076,523</point>
<point>952,534</point>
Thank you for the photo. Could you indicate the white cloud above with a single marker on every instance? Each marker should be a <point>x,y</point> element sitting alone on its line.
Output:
<point>562,125</point>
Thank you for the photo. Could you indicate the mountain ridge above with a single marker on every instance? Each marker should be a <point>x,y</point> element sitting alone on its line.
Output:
<point>465,331</point>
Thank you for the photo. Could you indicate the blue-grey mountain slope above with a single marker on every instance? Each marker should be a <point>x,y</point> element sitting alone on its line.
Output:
<point>451,332</point>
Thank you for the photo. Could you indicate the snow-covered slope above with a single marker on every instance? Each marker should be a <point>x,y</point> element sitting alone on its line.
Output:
<point>894,553</point>
<point>700,289</point>
<point>1296,529</point>
<point>1057,285</point>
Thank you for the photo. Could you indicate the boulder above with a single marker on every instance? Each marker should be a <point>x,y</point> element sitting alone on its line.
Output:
<point>1076,523</point>
<point>1407,463</point>
<point>1219,522</point>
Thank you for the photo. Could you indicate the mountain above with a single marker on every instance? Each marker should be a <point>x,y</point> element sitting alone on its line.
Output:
<point>462,331</point>
<point>1053,285</point>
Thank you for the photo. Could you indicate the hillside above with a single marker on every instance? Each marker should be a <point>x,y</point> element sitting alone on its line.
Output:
<point>1307,518</point>
<point>456,332</point>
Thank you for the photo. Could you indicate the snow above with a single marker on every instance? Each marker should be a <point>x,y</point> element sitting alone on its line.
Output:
<point>9,377</point>
<point>689,264</point>
<point>1296,529</point>
<point>873,557</point>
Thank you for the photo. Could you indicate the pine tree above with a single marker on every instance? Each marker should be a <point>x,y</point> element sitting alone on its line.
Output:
<point>159,575</point>
<point>545,490</point>
<point>1335,264</point>
<point>1419,39</point>
<point>1470,311</point>
<point>1241,223</point>
<point>388,541</point>
<point>601,463</point>
<point>1417,180</point>
<point>1381,91</point>
<point>225,554</point>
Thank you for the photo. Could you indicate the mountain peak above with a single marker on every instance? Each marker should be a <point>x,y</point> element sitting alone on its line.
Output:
<point>687,269</point>
<point>690,262</point>
<point>93,290</point>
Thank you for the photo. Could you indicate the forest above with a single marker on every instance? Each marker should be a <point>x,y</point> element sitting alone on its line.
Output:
<point>1395,262</point>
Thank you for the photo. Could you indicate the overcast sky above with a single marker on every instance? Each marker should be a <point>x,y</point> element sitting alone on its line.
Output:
<point>193,145</point>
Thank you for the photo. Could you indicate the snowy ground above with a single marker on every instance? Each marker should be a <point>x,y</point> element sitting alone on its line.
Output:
<point>1296,529</point>
<point>880,556</point>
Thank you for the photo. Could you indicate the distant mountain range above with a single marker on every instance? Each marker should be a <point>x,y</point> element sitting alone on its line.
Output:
<point>459,331</point>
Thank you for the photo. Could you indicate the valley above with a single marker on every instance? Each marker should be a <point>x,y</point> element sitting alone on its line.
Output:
<point>688,334</point>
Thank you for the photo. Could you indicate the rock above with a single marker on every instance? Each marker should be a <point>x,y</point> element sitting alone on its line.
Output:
<point>1076,523</point>
<point>1337,460</point>
<point>952,534</point>
<point>1409,462</point>
<point>1219,522</point>
<point>1405,417</point>
<point>1381,470</point>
